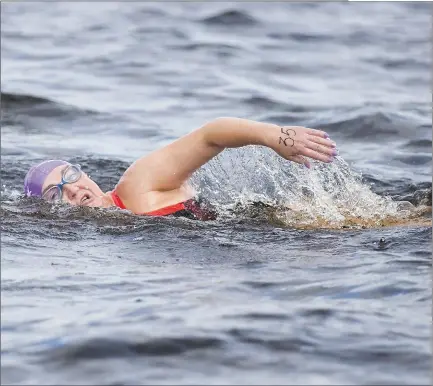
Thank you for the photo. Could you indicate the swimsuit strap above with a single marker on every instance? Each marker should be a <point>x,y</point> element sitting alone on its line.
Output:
<point>160,212</point>
<point>117,201</point>
<point>171,209</point>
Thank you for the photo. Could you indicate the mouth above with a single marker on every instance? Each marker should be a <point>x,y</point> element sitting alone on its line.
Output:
<point>86,199</point>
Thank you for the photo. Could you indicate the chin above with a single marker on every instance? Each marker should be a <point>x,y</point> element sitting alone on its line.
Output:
<point>100,202</point>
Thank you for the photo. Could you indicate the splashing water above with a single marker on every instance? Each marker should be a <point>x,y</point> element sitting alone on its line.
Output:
<point>326,196</point>
<point>254,182</point>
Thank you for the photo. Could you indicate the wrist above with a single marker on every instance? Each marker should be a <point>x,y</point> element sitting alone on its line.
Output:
<point>271,135</point>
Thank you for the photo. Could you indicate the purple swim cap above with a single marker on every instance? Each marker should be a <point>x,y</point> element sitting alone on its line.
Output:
<point>35,177</point>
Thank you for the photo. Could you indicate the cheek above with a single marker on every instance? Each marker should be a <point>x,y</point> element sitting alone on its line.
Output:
<point>92,185</point>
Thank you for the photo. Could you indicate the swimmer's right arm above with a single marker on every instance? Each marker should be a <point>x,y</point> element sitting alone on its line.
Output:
<point>167,169</point>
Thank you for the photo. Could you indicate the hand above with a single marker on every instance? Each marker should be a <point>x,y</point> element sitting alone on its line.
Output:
<point>294,143</point>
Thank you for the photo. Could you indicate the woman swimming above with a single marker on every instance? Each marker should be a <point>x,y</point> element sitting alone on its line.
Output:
<point>156,184</point>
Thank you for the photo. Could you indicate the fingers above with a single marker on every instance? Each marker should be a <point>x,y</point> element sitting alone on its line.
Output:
<point>319,142</point>
<point>321,149</point>
<point>318,133</point>
<point>317,155</point>
<point>322,141</point>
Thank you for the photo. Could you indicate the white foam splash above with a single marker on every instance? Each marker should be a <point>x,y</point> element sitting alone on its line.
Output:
<point>328,192</point>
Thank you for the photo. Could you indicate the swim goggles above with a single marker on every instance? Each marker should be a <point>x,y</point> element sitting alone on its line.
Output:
<point>70,175</point>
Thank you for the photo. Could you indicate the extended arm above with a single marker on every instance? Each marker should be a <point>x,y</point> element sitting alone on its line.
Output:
<point>168,168</point>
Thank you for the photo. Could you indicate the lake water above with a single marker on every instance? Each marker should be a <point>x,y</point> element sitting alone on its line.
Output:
<point>317,276</point>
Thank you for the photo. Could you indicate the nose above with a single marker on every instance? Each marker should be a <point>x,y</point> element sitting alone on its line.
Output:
<point>70,191</point>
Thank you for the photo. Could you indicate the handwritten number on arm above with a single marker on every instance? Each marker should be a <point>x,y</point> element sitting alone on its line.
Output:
<point>284,140</point>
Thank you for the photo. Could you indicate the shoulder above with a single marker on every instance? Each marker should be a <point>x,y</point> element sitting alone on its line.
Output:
<point>131,196</point>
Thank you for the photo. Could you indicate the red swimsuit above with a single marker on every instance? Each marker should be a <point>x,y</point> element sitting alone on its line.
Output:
<point>190,208</point>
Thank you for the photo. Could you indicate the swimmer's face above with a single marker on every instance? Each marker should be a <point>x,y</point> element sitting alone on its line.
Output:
<point>82,192</point>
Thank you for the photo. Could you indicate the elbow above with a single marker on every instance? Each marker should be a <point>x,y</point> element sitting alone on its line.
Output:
<point>218,122</point>
<point>218,130</point>
<point>211,131</point>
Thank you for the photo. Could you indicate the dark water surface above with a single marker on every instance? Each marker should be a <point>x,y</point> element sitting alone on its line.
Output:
<point>315,276</point>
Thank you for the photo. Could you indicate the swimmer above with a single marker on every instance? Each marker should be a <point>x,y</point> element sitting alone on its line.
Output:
<point>157,184</point>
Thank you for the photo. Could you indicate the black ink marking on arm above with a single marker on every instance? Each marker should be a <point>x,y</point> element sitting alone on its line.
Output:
<point>284,140</point>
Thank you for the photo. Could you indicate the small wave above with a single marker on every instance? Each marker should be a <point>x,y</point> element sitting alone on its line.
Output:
<point>414,159</point>
<point>12,99</point>
<point>265,102</point>
<point>37,106</point>
<point>257,316</point>
<point>413,263</point>
<point>402,190</point>
<point>321,314</point>
<point>365,126</point>
<point>42,210</point>
<point>28,115</point>
<point>381,291</point>
<point>418,144</point>
<point>12,173</point>
<point>222,47</point>
<point>358,38</point>
<point>379,354</point>
<point>408,64</point>
<point>295,344</point>
<point>300,37</point>
<point>421,197</point>
<point>230,18</point>
<point>264,284</point>
<point>103,348</point>
<point>146,10</point>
